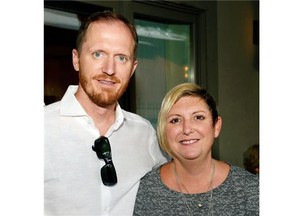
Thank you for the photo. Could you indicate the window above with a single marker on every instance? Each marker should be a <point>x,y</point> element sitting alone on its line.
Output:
<point>164,58</point>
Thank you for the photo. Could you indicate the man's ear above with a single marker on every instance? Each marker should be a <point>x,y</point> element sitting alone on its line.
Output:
<point>135,63</point>
<point>75,59</point>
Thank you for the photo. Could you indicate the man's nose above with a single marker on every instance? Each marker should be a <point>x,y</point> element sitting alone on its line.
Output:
<point>109,66</point>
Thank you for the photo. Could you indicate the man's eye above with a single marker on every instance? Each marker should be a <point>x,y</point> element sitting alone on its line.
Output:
<point>122,59</point>
<point>97,54</point>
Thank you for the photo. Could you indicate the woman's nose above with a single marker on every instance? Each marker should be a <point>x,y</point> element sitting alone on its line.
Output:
<point>187,127</point>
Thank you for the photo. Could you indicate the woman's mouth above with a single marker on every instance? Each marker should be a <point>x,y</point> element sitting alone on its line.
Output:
<point>188,142</point>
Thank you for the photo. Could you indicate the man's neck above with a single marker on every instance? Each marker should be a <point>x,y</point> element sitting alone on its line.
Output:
<point>103,117</point>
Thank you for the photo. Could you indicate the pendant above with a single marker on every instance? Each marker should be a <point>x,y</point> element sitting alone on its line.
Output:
<point>199,205</point>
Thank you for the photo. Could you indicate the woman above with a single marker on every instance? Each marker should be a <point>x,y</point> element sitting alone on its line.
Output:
<point>193,183</point>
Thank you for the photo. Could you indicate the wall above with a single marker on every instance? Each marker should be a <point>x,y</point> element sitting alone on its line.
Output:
<point>238,77</point>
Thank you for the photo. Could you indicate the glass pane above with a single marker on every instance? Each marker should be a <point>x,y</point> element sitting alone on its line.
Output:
<point>164,56</point>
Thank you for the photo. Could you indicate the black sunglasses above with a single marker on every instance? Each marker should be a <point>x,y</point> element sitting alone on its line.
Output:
<point>103,150</point>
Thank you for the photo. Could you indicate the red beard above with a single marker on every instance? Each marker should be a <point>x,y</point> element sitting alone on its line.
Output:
<point>103,97</point>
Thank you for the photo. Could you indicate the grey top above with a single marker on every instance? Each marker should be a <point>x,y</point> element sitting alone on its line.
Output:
<point>237,195</point>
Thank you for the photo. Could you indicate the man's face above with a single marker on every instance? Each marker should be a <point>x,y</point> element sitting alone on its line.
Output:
<point>105,62</point>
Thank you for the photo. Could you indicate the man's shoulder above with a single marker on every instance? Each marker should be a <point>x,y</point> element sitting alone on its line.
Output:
<point>52,108</point>
<point>136,119</point>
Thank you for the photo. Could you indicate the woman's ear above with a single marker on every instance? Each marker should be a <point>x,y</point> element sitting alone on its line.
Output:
<point>218,126</point>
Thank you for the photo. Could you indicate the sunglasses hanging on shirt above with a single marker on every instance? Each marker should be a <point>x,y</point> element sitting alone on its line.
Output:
<point>103,150</point>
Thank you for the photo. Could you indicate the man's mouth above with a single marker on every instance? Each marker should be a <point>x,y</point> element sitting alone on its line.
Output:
<point>107,82</point>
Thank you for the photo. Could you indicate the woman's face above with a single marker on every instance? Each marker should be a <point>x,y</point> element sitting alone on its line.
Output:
<point>189,128</point>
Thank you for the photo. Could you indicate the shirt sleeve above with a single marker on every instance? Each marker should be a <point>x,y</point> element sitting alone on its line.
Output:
<point>159,157</point>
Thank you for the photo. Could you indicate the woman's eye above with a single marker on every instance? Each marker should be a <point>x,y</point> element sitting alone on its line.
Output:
<point>199,117</point>
<point>174,120</point>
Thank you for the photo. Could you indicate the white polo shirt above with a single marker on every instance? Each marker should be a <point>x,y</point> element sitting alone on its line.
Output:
<point>73,184</point>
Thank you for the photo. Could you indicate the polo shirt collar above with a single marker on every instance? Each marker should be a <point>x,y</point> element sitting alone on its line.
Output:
<point>71,107</point>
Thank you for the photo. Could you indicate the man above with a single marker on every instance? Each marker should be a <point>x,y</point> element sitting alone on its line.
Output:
<point>102,180</point>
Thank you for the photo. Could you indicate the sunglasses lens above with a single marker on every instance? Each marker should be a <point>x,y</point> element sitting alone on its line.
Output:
<point>108,174</point>
<point>103,150</point>
<point>102,147</point>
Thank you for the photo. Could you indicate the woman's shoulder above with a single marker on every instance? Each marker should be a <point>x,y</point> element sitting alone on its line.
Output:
<point>244,177</point>
<point>235,175</point>
<point>152,175</point>
<point>239,171</point>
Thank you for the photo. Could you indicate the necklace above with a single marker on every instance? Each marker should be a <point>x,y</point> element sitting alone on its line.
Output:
<point>210,188</point>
